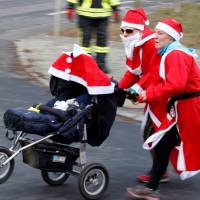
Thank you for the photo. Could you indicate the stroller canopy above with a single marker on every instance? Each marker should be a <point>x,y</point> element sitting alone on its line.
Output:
<point>80,67</point>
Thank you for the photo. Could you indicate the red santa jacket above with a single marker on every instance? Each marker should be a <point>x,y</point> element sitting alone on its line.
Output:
<point>139,64</point>
<point>178,73</point>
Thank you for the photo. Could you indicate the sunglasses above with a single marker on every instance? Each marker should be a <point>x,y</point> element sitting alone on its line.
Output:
<point>128,31</point>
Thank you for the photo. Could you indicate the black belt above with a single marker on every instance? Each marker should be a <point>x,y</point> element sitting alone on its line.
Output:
<point>181,97</point>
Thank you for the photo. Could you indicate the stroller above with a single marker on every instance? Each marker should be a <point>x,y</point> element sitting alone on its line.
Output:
<point>53,152</point>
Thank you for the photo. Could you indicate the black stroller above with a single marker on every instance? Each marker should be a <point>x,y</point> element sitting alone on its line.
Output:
<point>53,153</point>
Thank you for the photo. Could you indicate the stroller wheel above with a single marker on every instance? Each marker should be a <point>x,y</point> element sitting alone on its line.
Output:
<point>93,181</point>
<point>54,178</point>
<point>5,170</point>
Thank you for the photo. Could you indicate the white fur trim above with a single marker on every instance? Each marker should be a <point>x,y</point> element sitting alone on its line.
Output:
<point>57,73</point>
<point>162,62</point>
<point>162,66</point>
<point>77,50</point>
<point>154,118</point>
<point>169,117</point>
<point>169,30</point>
<point>94,90</point>
<point>149,37</point>
<point>147,22</point>
<point>136,26</point>
<point>137,88</point>
<point>67,53</point>
<point>188,174</point>
<point>136,71</point>
<point>181,159</point>
<point>144,121</point>
<point>181,165</point>
<point>155,138</point>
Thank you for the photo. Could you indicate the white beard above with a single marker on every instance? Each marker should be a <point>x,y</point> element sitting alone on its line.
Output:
<point>130,42</point>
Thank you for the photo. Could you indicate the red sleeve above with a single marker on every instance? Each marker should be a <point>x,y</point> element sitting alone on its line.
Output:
<point>128,80</point>
<point>176,76</point>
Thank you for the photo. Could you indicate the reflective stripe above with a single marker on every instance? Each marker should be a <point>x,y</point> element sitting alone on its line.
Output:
<point>86,4</point>
<point>106,3</point>
<point>87,49</point>
<point>94,12</point>
<point>99,49</point>
<point>72,1</point>
<point>87,10</point>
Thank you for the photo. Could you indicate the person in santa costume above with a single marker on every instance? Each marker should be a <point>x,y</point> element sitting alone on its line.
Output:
<point>174,106</point>
<point>138,40</point>
<point>139,46</point>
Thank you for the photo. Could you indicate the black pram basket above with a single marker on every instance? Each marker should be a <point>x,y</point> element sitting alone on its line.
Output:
<point>49,156</point>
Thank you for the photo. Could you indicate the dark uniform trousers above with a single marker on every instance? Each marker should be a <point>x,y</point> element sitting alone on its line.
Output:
<point>98,26</point>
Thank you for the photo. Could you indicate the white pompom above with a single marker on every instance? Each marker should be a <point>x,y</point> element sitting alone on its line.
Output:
<point>147,22</point>
<point>68,71</point>
<point>181,35</point>
<point>69,60</point>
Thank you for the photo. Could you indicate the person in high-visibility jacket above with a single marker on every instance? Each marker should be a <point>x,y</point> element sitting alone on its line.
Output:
<point>93,16</point>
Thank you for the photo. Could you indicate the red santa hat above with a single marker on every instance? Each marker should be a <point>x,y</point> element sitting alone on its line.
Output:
<point>80,67</point>
<point>135,19</point>
<point>171,27</point>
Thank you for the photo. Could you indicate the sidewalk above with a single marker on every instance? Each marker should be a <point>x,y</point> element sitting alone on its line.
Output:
<point>37,53</point>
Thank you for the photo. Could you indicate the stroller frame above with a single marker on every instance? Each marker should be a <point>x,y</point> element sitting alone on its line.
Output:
<point>93,178</point>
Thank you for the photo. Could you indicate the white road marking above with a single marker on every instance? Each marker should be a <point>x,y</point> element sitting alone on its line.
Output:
<point>57,13</point>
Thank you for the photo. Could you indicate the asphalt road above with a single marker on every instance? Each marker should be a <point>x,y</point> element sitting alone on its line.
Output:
<point>121,153</point>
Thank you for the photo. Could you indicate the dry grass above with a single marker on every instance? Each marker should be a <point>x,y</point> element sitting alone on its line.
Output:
<point>189,16</point>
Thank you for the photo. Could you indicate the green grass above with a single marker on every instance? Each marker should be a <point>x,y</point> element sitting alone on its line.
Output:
<point>189,16</point>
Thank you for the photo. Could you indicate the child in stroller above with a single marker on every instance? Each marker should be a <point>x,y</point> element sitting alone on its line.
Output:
<point>74,76</point>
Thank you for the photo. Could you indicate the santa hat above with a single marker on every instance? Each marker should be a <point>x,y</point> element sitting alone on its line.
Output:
<point>80,67</point>
<point>171,27</point>
<point>135,19</point>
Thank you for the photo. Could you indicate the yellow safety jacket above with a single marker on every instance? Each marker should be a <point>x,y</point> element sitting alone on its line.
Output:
<point>94,8</point>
